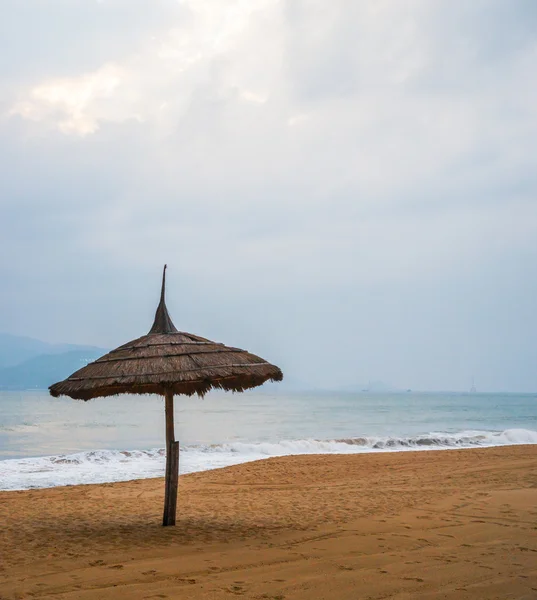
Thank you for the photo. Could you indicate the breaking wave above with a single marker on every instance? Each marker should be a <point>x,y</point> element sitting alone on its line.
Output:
<point>101,466</point>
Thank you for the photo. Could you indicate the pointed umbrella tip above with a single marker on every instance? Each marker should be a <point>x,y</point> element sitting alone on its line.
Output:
<point>163,322</point>
<point>163,289</point>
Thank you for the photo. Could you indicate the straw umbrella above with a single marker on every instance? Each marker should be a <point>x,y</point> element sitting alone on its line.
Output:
<point>167,362</point>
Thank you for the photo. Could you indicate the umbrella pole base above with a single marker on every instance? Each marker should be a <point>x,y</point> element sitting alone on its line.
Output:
<point>172,480</point>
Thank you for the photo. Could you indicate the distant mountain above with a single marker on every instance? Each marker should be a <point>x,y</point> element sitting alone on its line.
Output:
<point>41,371</point>
<point>27,363</point>
<point>15,349</point>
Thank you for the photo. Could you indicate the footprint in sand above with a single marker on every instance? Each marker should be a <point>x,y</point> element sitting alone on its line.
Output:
<point>236,589</point>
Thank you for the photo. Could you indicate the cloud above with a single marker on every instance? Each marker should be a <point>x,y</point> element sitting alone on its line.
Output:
<point>159,80</point>
<point>75,104</point>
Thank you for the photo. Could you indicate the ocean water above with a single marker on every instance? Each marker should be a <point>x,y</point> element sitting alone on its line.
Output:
<point>46,441</point>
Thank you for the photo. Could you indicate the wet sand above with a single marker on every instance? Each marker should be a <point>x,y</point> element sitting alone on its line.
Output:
<point>450,524</point>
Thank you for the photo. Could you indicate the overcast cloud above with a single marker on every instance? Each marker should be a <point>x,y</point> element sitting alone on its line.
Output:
<point>347,188</point>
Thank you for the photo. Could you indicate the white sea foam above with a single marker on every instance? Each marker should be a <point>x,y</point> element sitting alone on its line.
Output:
<point>100,466</point>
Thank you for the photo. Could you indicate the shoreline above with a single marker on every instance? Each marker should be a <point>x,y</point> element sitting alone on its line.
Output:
<point>96,466</point>
<point>390,524</point>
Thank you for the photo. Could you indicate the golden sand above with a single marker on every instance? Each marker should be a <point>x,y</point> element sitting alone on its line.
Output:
<point>450,524</point>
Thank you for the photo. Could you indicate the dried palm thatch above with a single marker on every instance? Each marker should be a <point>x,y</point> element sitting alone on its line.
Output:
<point>168,362</point>
<point>181,362</point>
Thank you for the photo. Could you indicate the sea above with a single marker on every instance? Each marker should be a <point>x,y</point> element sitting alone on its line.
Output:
<point>47,442</point>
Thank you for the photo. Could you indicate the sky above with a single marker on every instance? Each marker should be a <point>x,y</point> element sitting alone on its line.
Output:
<point>346,188</point>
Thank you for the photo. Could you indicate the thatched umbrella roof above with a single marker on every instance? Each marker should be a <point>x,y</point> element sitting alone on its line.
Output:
<point>167,359</point>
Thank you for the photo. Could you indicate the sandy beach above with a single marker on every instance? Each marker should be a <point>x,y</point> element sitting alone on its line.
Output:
<point>439,524</point>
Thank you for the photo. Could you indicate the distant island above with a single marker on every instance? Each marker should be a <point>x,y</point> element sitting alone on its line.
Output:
<point>28,363</point>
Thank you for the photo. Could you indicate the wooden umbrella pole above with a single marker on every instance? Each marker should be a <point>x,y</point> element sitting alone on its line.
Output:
<point>172,465</point>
